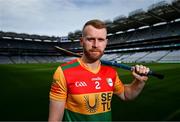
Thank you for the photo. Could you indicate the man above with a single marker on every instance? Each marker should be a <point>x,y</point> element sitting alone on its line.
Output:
<point>82,89</point>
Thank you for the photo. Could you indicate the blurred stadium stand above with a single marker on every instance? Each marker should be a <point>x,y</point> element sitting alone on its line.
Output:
<point>151,35</point>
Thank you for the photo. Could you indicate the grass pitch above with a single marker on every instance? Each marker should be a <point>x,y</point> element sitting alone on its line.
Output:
<point>24,91</point>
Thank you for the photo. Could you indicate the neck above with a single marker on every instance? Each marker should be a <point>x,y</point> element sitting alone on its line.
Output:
<point>91,64</point>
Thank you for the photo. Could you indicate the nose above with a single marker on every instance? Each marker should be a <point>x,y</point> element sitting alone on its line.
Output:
<point>95,43</point>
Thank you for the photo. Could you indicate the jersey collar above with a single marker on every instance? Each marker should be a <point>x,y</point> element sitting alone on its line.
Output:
<point>88,68</point>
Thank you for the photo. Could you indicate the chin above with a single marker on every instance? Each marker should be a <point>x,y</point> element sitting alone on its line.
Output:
<point>94,58</point>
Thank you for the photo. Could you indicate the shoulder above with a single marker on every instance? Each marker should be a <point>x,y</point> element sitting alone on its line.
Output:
<point>59,72</point>
<point>70,64</point>
<point>109,69</point>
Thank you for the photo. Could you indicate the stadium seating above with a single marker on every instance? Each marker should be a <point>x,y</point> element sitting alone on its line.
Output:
<point>111,57</point>
<point>18,59</point>
<point>5,60</point>
<point>153,56</point>
<point>171,57</point>
<point>143,36</point>
<point>156,32</point>
<point>30,59</point>
<point>135,57</point>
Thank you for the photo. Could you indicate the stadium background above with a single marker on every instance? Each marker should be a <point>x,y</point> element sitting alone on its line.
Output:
<point>150,37</point>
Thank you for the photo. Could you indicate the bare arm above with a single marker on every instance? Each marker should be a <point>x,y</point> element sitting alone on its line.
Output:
<point>132,90</point>
<point>56,111</point>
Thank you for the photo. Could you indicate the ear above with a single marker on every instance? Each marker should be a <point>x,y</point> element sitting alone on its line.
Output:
<point>106,42</point>
<point>81,41</point>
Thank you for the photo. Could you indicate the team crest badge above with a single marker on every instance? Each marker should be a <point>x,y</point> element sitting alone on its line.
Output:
<point>109,81</point>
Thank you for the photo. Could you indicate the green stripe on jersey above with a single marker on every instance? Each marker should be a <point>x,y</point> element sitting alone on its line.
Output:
<point>72,116</point>
<point>70,65</point>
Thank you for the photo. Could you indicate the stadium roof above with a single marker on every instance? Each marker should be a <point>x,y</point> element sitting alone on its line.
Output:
<point>24,36</point>
<point>155,13</point>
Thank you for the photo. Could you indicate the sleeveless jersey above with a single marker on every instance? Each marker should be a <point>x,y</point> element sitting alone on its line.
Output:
<point>87,93</point>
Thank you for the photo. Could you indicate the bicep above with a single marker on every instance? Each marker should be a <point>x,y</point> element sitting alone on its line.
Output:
<point>56,110</point>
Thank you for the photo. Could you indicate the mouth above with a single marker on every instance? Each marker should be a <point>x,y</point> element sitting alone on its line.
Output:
<point>94,50</point>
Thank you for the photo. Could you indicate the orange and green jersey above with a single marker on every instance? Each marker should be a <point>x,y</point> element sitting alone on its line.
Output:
<point>87,92</point>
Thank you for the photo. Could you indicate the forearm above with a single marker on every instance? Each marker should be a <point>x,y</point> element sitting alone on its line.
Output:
<point>133,90</point>
<point>56,111</point>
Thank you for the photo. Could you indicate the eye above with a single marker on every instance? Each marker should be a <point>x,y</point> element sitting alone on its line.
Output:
<point>90,39</point>
<point>101,39</point>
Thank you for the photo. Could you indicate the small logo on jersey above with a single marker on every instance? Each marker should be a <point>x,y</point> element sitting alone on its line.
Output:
<point>96,79</point>
<point>80,84</point>
<point>109,81</point>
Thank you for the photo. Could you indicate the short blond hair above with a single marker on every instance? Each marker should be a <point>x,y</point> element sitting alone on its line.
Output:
<point>95,23</point>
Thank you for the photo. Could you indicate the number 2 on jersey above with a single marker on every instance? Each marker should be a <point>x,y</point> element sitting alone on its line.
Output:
<point>97,85</point>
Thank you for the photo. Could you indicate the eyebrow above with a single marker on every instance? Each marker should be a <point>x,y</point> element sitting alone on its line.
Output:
<point>99,38</point>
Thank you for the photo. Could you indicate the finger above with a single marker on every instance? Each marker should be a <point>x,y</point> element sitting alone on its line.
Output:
<point>141,69</point>
<point>139,77</point>
<point>147,70</point>
<point>144,70</point>
<point>137,68</point>
<point>135,75</point>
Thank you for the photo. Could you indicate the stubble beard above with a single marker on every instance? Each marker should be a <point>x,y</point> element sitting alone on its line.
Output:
<point>93,57</point>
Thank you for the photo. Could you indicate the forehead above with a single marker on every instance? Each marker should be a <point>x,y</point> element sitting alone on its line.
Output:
<point>94,32</point>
